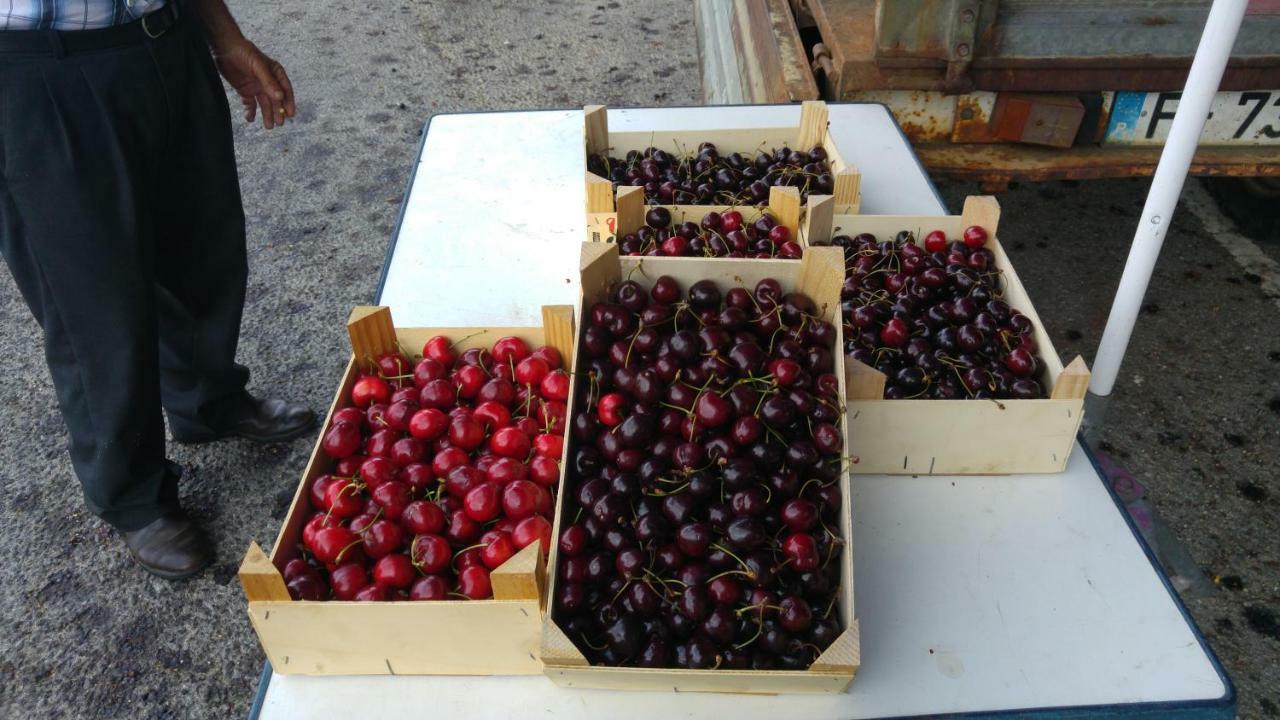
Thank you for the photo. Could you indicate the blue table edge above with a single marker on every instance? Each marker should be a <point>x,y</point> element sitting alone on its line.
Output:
<point>1223,706</point>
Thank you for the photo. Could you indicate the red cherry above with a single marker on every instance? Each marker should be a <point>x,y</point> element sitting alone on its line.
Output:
<point>392,365</point>
<point>383,537</point>
<point>1020,362</point>
<point>551,414</point>
<point>675,246</point>
<point>393,572</point>
<point>399,412</point>
<point>440,350</point>
<point>462,479</point>
<point>474,582</point>
<point>441,394</point>
<point>482,502</point>
<point>549,355</point>
<point>531,530</point>
<point>531,370</point>
<point>341,440</point>
<point>343,498</point>
<point>787,372</point>
<point>422,517</point>
<point>427,370</point>
<point>469,380</point>
<point>779,234</point>
<point>802,551</point>
<point>316,493</point>
<point>418,476</point>
<point>448,459</point>
<point>393,497</point>
<point>492,415</point>
<point>894,333</point>
<point>510,442</point>
<point>544,470</point>
<point>731,221</point>
<point>610,409</point>
<point>975,236</point>
<point>466,434</point>
<point>428,424</point>
<point>429,587</point>
<point>317,522</point>
<point>378,470</point>
<point>519,500</point>
<point>431,553</point>
<point>544,503</point>
<point>407,451</point>
<point>370,389</point>
<point>555,386</point>
<point>497,390</point>
<point>504,470</point>
<point>347,580</point>
<point>935,241</point>
<point>548,445</point>
<point>790,250</point>
<point>510,350</point>
<point>351,415</point>
<point>497,550</point>
<point>376,416</point>
<point>712,410</point>
<point>380,442</point>
<point>528,426</point>
<point>331,544</point>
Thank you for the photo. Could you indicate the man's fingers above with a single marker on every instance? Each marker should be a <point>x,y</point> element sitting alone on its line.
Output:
<point>250,109</point>
<point>283,78</point>
<point>269,116</point>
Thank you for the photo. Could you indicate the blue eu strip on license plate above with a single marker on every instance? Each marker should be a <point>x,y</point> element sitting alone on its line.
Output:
<point>1250,117</point>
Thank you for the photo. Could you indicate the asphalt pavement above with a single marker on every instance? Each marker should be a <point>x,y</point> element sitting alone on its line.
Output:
<point>85,634</point>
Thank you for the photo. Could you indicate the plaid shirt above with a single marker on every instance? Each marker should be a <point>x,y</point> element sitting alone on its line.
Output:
<point>71,14</point>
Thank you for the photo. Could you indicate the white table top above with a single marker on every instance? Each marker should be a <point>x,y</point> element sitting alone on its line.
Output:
<point>974,594</point>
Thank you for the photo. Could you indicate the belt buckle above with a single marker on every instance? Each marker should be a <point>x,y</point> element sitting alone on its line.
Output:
<point>146,29</point>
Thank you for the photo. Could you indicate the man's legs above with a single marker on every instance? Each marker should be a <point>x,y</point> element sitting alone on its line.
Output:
<point>79,139</point>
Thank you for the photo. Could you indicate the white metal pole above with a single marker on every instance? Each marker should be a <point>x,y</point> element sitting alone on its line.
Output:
<point>1175,160</point>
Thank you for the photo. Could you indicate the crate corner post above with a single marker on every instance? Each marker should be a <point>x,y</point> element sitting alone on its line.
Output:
<point>557,649</point>
<point>861,381</point>
<point>983,211</point>
<point>517,578</point>
<point>372,332</point>
<point>819,220</point>
<point>595,125</point>
<point>259,577</point>
<point>813,124</point>
<point>558,331</point>
<point>630,208</point>
<point>843,656</point>
<point>784,202</point>
<point>1073,382</point>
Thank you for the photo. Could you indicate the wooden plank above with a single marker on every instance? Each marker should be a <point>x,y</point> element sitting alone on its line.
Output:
<point>983,211</point>
<point>557,326</point>
<point>819,219</point>
<point>519,578</point>
<point>813,125</point>
<point>595,129</point>
<point>631,209</point>
<point>259,578</point>
<point>491,637</point>
<point>599,194</point>
<point>918,437</point>
<point>784,205</point>
<point>371,331</point>
<point>863,382</point>
<point>821,277</point>
<point>1073,381</point>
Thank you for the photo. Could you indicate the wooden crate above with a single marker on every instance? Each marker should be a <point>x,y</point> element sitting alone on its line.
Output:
<point>819,274</point>
<point>602,212</point>
<point>959,437</point>
<point>449,637</point>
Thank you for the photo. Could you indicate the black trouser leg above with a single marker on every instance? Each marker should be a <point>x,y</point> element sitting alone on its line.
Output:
<point>88,146</point>
<point>201,268</point>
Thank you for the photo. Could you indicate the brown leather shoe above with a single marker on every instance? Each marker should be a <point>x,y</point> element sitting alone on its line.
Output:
<point>260,420</point>
<point>171,547</point>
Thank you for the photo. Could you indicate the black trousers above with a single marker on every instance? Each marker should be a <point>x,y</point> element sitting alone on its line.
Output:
<point>121,221</point>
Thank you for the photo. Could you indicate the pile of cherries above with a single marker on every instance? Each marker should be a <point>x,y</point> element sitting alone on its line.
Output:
<point>931,318</point>
<point>443,470</point>
<point>700,528</point>
<point>724,234</point>
<point>707,178</point>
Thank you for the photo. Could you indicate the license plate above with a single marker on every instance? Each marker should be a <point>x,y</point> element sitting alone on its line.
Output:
<point>1236,118</point>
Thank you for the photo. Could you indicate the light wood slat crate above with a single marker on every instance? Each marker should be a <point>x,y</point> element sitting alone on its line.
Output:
<point>819,274</point>
<point>448,637</point>
<point>603,213</point>
<point>959,437</point>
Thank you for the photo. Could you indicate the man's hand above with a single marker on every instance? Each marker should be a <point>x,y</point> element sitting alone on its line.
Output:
<point>260,81</point>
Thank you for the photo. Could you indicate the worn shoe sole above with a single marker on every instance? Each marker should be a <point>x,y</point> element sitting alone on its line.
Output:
<point>167,575</point>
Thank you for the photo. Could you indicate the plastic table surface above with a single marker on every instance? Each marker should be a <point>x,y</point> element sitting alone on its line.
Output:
<point>1009,595</point>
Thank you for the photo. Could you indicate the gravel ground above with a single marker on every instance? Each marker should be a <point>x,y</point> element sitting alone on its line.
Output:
<point>83,633</point>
